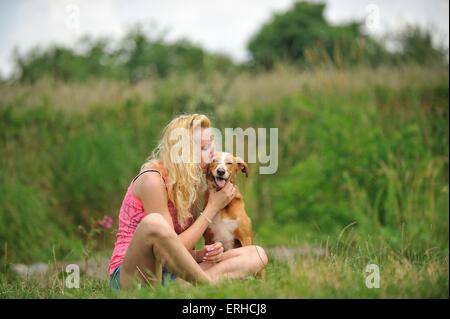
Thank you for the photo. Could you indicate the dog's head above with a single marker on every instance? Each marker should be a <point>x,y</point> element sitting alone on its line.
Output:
<point>224,167</point>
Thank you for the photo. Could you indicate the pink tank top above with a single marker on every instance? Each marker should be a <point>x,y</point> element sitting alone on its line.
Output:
<point>130,215</point>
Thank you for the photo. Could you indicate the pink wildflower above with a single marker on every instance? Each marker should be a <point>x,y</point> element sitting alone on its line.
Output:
<point>106,222</point>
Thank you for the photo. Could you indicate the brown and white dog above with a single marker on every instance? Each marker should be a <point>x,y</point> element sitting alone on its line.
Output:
<point>231,226</point>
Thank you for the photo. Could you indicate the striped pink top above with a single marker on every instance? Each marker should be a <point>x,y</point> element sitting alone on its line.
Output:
<point>130,215</point>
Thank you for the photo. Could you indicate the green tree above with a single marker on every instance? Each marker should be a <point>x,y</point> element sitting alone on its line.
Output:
<point>302,34</point>
<point>138,55</point>
<point>416,45</point>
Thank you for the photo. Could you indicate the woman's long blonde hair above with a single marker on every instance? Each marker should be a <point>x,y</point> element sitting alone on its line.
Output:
<point>186,185</point>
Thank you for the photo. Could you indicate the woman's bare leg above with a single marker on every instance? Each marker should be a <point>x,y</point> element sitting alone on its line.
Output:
<point>237,263</point>
<point>155,243</point>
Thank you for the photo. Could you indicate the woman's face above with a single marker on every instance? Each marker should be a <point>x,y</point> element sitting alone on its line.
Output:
<point>207,148</point>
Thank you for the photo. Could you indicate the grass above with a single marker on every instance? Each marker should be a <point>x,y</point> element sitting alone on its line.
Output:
<point>336,275</point>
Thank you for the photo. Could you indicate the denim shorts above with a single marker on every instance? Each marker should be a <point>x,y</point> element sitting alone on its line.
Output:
<point>115,278</point>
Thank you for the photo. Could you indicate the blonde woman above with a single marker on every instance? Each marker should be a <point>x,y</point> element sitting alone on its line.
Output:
<point>158,221</point>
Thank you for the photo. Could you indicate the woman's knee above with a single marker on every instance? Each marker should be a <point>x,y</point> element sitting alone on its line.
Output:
<point>260,254</point>
<point>256,255</point>
<point>154,225</point>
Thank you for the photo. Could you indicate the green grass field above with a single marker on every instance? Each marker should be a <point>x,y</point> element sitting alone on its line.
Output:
<point>336,275</point>
<point>363,174</point>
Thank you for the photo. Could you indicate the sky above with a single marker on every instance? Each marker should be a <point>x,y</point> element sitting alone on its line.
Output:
<point>219,26</point>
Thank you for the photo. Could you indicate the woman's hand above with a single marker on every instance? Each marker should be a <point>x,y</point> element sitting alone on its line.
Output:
<point>219,199</point>
<point>210,253</point>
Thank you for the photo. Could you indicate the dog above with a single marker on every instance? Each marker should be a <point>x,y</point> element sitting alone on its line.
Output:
<point>231,226</point>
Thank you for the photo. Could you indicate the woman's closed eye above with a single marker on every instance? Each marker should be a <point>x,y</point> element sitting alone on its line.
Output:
<point>206,147</point>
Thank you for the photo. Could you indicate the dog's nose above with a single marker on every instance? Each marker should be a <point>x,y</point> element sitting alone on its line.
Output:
<point>220,171</point>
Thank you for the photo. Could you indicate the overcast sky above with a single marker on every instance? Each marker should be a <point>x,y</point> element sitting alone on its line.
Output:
<point>223,26</point>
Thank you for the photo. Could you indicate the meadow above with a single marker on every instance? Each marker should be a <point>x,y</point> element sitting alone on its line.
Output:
<point>362,176</point>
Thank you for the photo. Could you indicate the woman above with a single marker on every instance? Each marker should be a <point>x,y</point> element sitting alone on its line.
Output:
<point>158,223</point>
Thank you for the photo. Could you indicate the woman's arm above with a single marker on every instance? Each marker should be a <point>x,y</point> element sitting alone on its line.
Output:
<point>192,235</point>
<point>150,189</point>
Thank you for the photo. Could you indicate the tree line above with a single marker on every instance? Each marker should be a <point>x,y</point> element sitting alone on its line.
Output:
<point>301,36</point>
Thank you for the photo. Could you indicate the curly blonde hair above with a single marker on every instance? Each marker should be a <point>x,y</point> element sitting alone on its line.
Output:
<point>186,185</point>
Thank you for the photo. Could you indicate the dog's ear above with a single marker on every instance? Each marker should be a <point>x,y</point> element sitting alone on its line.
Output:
<point>242,165</point>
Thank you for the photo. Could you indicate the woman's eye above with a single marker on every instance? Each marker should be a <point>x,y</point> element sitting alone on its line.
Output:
<point>228,163</point>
